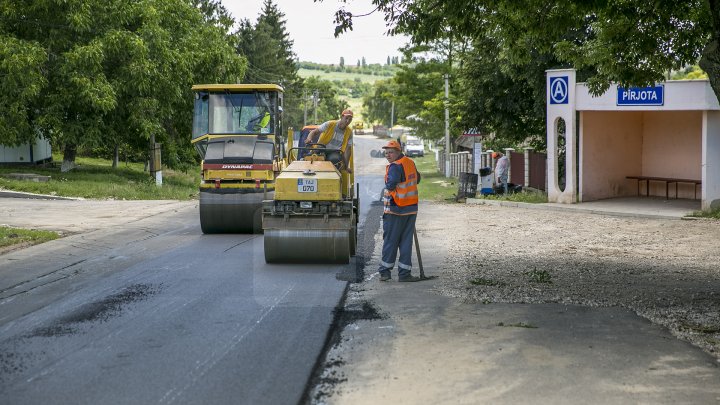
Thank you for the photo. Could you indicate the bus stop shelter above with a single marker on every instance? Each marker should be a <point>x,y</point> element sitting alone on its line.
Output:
<point>662,141</point>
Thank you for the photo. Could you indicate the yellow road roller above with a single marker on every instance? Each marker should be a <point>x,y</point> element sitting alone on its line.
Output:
<point>314,214</point>
<point>236,131</point>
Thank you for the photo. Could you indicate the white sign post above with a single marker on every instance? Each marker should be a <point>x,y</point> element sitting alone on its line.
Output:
<point>477,155</point>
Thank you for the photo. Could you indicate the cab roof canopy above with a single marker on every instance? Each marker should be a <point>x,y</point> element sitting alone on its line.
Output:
<point>238,87</point>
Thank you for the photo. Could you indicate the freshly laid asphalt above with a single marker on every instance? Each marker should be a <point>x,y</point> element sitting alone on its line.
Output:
<point>427,348</point>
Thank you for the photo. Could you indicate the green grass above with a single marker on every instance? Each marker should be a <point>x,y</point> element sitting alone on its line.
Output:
<point>539,276</point>
<point>434,186</point>
<point>304,73</point>
<point>714,214</point>
<point>533,197</point>
<point>95,178</point>
<point>14,236</point>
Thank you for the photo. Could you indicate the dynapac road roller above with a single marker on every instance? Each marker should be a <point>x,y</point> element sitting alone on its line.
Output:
<point>236,131</point>
<point>313,217</point>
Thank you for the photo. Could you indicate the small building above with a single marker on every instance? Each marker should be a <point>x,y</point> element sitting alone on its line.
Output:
<point>36,152</point>
<point>662,140</point>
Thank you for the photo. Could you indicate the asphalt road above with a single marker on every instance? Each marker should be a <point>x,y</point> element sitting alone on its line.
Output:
<point>138,306</point>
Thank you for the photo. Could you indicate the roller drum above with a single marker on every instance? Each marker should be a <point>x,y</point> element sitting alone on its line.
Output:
<point>230,212</point>
<point>307,246</point>
<point>307,239</point>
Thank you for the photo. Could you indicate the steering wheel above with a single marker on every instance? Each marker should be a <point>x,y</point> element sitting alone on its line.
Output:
<point>314,147</point>
<point>332,155</point>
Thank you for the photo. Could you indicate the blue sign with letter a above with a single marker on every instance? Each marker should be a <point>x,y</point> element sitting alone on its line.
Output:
<point>641,95</point>
<point>559,90</point>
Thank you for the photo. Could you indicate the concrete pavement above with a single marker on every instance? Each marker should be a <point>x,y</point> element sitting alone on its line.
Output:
<point>637,207</point>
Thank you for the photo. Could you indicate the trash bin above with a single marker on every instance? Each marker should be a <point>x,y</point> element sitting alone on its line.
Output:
<point>486,181</point>
<point>468,186</point>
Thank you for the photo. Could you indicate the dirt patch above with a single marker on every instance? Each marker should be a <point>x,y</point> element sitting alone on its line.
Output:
<point>664,270</point>
<point>17,246</point>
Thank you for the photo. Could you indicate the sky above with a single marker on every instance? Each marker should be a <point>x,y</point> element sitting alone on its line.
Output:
<point>311,27</point>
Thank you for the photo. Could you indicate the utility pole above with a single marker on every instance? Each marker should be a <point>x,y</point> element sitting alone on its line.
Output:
<point>392,117</point>
<point>305,100</point>
<point>316,96</point>
<point>447,127</point>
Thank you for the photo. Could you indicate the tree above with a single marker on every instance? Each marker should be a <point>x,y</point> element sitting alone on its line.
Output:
<point>271,59</point>
<point>107,72</point>
<point>378,104</point>
<point>417,91</point>
<point>342,63</point>
<point>631,42</point>
<point>330,105</point>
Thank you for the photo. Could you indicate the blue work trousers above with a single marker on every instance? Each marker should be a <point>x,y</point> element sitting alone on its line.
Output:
<point>397,235</point>
<point>504,183</point>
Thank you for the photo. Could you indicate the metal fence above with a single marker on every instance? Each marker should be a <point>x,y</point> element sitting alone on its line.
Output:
<point>528,168</point>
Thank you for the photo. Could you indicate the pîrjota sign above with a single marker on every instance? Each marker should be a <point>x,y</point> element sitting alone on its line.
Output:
<point>654,95</point>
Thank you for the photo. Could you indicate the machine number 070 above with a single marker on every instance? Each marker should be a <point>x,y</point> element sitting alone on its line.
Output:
<point>307,185</point>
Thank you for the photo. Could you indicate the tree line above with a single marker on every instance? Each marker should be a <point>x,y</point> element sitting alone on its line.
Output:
<point>111,77</point>
<point>375,69</point>
<point>107,75</point>
<point>496,54</point>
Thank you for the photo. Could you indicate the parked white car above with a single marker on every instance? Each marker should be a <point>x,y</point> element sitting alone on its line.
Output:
<point>414,146</point>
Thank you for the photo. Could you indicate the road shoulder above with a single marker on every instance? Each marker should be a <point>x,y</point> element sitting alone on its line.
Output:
<point>433,345</point>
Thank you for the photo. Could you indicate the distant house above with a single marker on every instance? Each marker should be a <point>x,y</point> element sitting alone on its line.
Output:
<point>466,143</point>
<point>35,152</point>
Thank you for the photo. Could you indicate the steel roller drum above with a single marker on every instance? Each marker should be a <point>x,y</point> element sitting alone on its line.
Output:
<point>307,246</point>
<point>231,212</point>
<point>307,239</point>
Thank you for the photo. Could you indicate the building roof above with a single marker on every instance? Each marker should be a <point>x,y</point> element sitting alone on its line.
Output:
<point>241,87</point>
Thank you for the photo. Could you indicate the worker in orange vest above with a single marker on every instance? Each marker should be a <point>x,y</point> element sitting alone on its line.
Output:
<point>400,201</point>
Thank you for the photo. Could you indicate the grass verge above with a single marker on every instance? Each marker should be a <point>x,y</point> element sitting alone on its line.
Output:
<point>434,186</point>
<point>96,178</point>
<point>533,197</point>
<point>714,214</point>
<point>15,236</point>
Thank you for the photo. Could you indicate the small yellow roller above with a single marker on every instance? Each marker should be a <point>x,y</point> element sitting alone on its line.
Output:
<point>313,215</point>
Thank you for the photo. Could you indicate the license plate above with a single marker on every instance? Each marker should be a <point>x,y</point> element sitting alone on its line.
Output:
<point>307,185</point>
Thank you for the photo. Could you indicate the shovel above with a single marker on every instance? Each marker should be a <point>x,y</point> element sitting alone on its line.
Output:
<point>419,257</point>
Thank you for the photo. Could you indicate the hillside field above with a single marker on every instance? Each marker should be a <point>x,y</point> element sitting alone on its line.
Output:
<point>354,102</point>
<point>340,75</point>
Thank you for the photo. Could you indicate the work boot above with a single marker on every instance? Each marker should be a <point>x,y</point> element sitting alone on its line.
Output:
<point>384,277</point>
<point>409,279</point>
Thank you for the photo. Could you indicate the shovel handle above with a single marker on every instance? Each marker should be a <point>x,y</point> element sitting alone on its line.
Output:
<point>417,251</point>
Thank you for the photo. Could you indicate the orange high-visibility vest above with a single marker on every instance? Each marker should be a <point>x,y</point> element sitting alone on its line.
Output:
<point>405,193</point>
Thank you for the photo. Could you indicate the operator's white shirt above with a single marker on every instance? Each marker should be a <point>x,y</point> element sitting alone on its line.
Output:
<point>337,139</point>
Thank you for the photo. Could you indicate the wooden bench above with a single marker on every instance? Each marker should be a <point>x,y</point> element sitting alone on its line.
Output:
<point>667,181</point>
